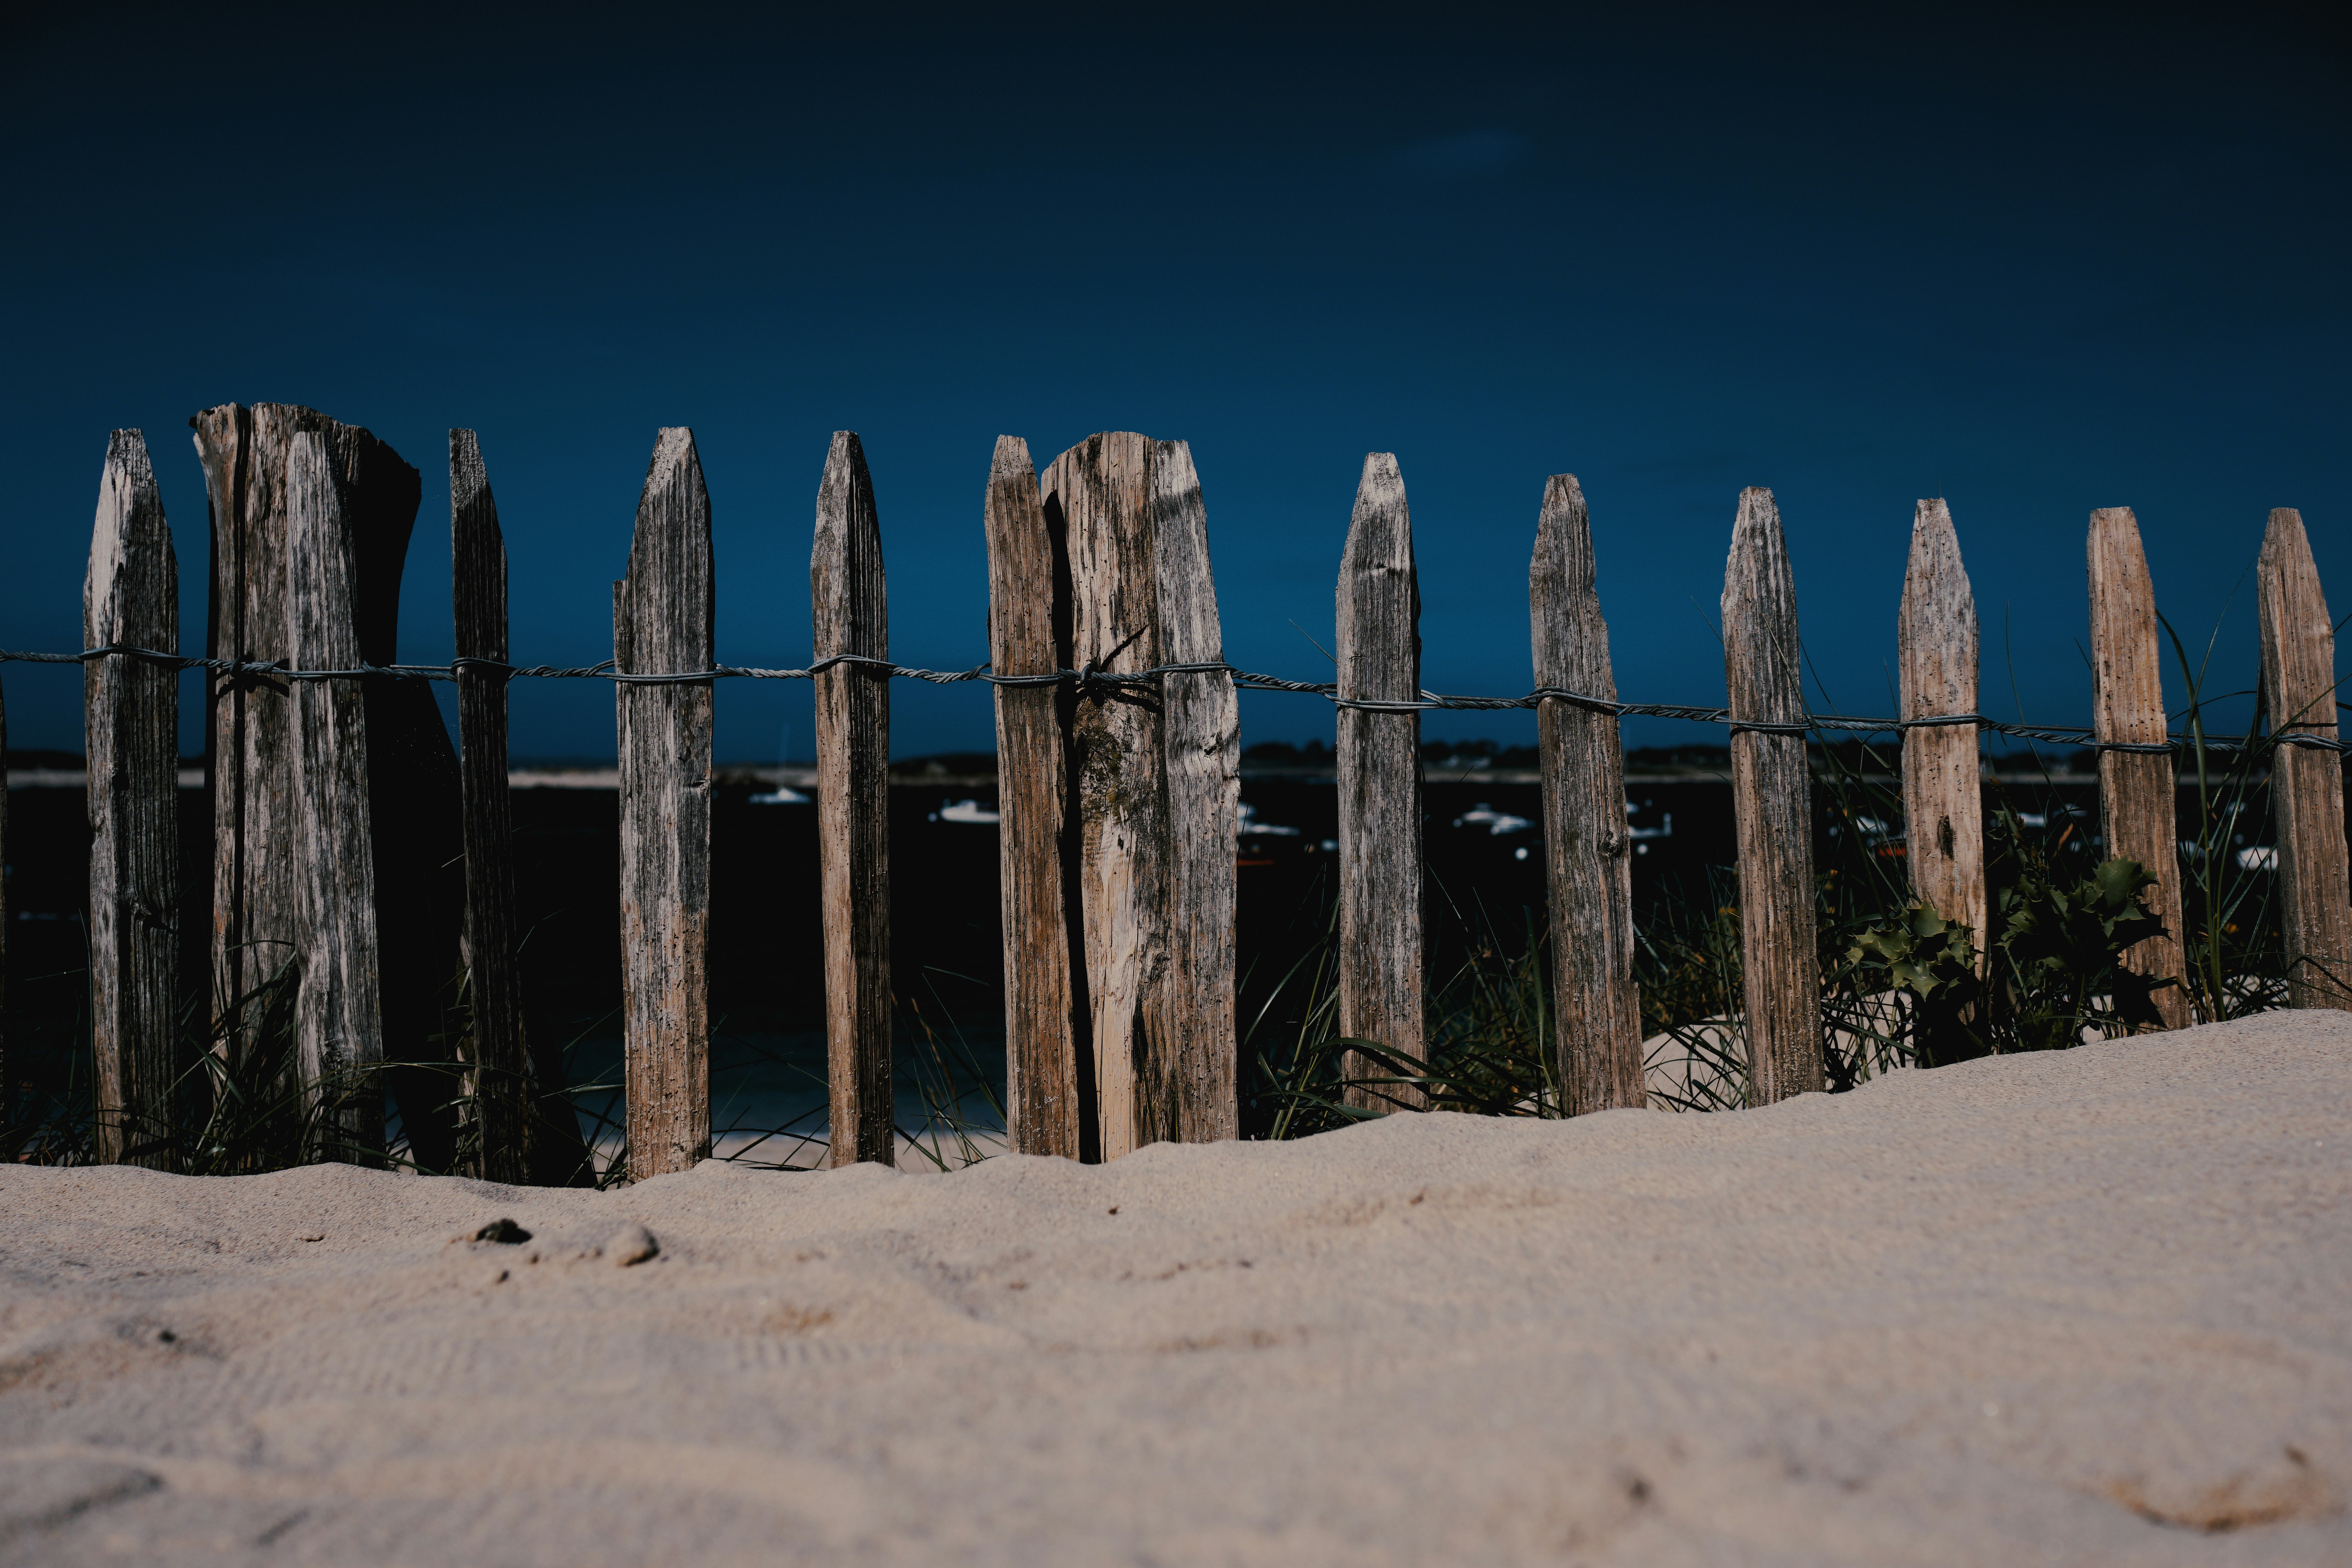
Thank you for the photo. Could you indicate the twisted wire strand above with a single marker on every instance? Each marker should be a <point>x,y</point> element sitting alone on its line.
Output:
<point>1091,677</point>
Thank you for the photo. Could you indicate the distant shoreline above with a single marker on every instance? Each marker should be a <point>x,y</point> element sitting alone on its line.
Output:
<point>912,776</point>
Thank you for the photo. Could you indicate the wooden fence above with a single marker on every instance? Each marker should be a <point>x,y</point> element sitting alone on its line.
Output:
<point>1119,740</point>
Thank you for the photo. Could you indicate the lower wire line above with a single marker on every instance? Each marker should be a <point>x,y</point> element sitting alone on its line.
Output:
<point>1091,677</point>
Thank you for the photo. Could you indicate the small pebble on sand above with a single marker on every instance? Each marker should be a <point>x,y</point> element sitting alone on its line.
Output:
<point>631,1244</point>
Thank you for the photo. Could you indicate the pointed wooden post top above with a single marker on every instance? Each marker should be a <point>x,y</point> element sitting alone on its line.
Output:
<point>2126,656</point>
<point>669,593</point>
<point>845,581</point>
<point>1938,632</point>
<point>1572,638</point>
<point>129,539</point>
<point>1189,630</point>
<point>1380,591</point>
<point>2299,639</point>
<point>1762,663</point>
<point>479,551</point>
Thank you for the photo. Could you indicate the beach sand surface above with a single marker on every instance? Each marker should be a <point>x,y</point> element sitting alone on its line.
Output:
<point>2089,1307</point>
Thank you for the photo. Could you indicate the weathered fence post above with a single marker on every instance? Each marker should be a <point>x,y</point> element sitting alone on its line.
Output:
<point>339,1033</point>
<point>412,785</point>
<point>1771,797</point>
<point>1201,758</point>
<point>1099,488</point>
<point>500,1068</point>
<point>662,613</point>
<point>7,1058</point>
<point>2307,781</point>
<point>1041,1016</point>
<point>132,711</point>
<point>852,615</point>
<point>1597,1010</point>
<point>1381,987</point>
<point>2136,788</point>
<point>1160,1021</point>
<point>1943,794</point>
<point>246,765</point>
<point>8,1067</point>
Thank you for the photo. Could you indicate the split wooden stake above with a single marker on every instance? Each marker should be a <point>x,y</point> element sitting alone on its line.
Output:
<point>249,765</point>
<point>338,1026</point>
<point>1772,796</point>
<point>2299,676</point>
<point>1196,1057</point>
<point>1154,897</point>
<point>1943,794</point>
<point>1380,981</point>
<point>1097,490</point>
<point>1596,1006</point>
<point>2136,788</point>
<point>1042,1022</point>
<point>662,613</point>
<point>249,772</point>
<point>499,1073</point>
<point>853,750</point>
<point>132,711</point>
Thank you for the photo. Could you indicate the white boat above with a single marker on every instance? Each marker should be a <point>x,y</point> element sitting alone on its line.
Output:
<point>1496,823</point>
<point>1250,825</point>
<point>784,794</point>
<point>966,811</point>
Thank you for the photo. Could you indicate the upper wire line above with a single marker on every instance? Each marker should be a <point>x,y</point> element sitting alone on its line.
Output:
<point>1092,677</point>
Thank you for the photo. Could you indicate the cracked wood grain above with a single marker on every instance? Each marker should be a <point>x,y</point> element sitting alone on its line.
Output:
<point>1195,1088</point>
<point>132,711</point>
<point>1597,1011</point>
<point>2136,803</point>
<point>338,1026</point>
<point>1098,492</point>
<point>1771,794</point>
<point>2307,783</point>
<point>1042,1023</point>
<point>1943,797</point>
<point>249,767</point>
<point>1154,895</point>
<point>499,1075</point>
<point>1380,942</point>
<point>662,615</point>
<point>852,614</point>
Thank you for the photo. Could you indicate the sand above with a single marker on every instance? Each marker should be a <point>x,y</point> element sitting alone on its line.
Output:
<point>2094,1307</point>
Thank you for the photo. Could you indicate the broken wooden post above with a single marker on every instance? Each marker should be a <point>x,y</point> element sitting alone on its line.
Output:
<point>499,1064</point>
<point>338,1030</point>
<point>852,615</point>
<point>1943,795</point>
<point>2307,781</point>
<point>2136,808</point>
<point>1099,489</point>
<point>1771,797</point>
<point>131,710</point>
<point>662,613</point>
<point>1155,928</point>
<point>413,799</point>
<point>1381,985</point>
<point>1198,1076</point>
<point>1597,1013</point>
<point>1042,1098</point>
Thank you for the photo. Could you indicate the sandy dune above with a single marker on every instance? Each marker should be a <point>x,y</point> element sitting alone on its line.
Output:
<point>2088,1308</point>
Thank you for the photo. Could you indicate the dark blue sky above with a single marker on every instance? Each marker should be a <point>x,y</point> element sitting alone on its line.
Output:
<point>2034,266</point>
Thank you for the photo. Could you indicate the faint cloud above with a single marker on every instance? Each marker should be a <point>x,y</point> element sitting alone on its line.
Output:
<point>1465,155</point>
